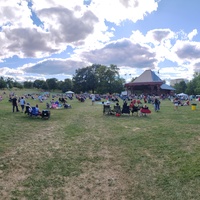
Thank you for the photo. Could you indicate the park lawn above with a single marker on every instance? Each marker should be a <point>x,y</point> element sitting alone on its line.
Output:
<point>81,154</point>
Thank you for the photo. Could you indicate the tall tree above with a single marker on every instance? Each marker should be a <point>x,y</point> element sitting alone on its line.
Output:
<point>28,84</point>
<point>38,83</point>
<point>108,79</point>
<point>17,84</point>
<point>180,87</point>
<point>52,83</point>
<point>79,80</point>
<point>10,82</point>
<point>44,86</point>
<point>2,83</point>
<point>91,83</point>
<point>65,85</point>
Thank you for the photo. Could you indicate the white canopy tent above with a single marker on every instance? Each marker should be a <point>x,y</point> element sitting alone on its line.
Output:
<point>69,92</point>
<point>182,94</point>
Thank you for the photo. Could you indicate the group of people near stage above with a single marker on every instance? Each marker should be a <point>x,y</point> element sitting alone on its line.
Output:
<point>177,102</point>
<point>155,101</point>
<point>134,106</point>
<point>137,106</point>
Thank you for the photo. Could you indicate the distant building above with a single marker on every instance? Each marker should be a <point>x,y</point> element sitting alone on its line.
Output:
<point>178,80</point>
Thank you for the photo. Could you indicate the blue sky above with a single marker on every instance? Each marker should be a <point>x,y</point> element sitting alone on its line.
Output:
<point>42,39</point>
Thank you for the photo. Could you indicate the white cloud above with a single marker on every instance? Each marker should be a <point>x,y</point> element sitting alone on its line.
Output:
<point>54,67</point>
<point>60,24</point>
<point>124,53</point>
<point>117,11</point>
<point>187,50</point>
<point>192,34</point>
<point>15,13</point>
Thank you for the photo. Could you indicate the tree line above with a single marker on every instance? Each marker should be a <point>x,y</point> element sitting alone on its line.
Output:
<point>191,88</point>
<point>95,78</point>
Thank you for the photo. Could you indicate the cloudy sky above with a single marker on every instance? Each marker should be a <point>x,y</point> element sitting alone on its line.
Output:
<point>42,39</point>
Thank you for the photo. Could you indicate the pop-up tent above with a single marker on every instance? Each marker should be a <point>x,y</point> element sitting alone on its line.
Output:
<point>69,92</point>
<point>182,94</point>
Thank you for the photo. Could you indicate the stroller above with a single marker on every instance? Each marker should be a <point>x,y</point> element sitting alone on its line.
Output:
<point>45,114</point>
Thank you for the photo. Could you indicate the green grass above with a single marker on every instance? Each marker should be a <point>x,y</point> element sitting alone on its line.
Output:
<point>81,154</point>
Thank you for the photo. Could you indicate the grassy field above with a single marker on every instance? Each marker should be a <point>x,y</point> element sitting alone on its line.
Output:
<point>81,154</point>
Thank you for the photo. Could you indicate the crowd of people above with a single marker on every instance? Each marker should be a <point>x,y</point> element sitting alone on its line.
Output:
<point>20,104</point>
<point>132,103</point>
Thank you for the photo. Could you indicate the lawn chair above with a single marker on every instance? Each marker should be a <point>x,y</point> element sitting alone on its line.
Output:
<point>126,109</point>
<point>34,112</point>
<point>106,110</point>
<point>117,109</point>
<point>135,109</point>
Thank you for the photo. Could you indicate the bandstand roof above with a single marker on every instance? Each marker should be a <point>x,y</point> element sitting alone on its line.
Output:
<point>148,77</point>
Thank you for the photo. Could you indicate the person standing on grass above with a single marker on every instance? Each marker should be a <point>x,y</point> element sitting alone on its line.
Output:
<point>176,103</point>
<point>14,104</point>
<point>93,99</point>
<point>22,103</point>
<point>156,104</point>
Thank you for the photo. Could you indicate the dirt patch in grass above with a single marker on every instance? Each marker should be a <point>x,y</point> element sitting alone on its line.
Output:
<point>104,179</point>
<point>18,162</point>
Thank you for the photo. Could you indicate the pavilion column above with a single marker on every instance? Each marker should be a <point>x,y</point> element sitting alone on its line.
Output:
<point>158,89</point>
<point>131,90</point>
<point>151,87</point>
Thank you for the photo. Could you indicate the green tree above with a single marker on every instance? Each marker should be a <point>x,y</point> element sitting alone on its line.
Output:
<point>91,77</point>
<point>98,78</point>
<point>193,87</point>
<point>44,86</point>
<point>190,88</point>
<point>118,85</point>
<point>2,83</point>
<point>18,85</point>
<point>180,87</point>
<point>109,80</point>
<point>28,84</point>
<point>38,83</point>
<point>102,80</point>
<point>52,83</point>
<point>80,80</point>
<point>10,82</point>
<point>65,85</point>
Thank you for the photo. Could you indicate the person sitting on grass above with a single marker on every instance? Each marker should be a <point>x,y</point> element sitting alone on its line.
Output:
<point>65,105</point>
<point>145,110</point>
<point>187,103</point>
<point>48,105</point>
<point>28,109</point>
<point>37,110</point>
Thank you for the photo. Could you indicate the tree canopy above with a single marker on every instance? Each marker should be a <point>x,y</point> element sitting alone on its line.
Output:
<point>96,78</point>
